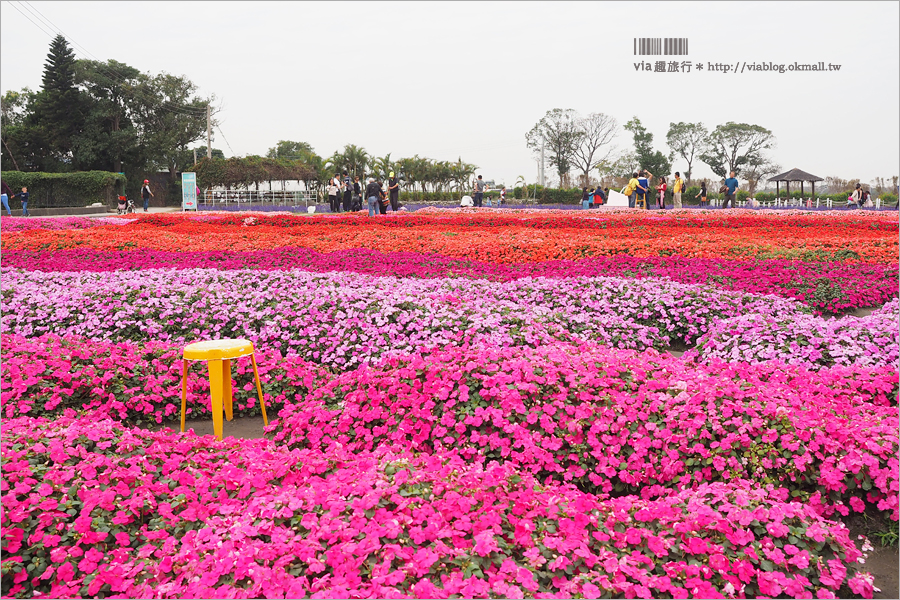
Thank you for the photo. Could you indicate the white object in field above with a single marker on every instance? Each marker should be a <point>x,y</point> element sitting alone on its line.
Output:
<point>466,201</point>
<point>310,209</point>
<point>617,199</point>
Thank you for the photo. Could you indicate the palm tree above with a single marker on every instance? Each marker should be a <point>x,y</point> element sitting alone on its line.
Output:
<point>356,160</point>
<point>461,173</point>
<point>381,167</point>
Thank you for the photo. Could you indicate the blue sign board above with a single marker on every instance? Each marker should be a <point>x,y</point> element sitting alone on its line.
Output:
<point>188,191</point>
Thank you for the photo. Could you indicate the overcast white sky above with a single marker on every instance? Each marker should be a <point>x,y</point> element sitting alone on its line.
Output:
<point>468,79</point>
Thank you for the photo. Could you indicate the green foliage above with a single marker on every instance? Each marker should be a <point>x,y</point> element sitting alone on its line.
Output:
<point>290,150</point>
<point>560,132</point>
<point>733,146</point>
<point>251,170</point>
<point>648,158</point>
<point>81,188</point>
<point>888,536</point>
<point>687,141</point>
<point>547,195</point>
<point>107,139</point>
<point>216,152</point>
<point>59,106</point>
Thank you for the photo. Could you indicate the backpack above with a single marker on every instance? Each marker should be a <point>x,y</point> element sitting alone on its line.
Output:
<point>628,190</point>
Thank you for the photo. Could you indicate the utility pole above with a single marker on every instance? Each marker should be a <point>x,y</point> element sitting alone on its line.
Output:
<point>208,133</point>
<point>195,156</point>
<point>542,164</point>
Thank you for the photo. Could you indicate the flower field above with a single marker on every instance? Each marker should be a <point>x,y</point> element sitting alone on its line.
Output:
<point>470,403</point>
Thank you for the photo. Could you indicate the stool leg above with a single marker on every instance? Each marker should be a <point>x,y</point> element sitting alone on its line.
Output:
<point>262,403</point>
<point>226,385</point>
<point>183,393</point>
<point>215,388</point>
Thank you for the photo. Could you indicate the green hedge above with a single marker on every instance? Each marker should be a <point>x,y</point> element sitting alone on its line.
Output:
<point>547,195</point>
<point>58,190</point>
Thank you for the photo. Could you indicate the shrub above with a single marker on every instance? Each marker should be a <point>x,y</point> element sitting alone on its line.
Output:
<point>47,190</point>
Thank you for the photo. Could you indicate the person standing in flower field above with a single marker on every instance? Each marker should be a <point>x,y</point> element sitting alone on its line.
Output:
<point>631,190</point>
<point>23,195</point>
<point>856,198</point>
<point>146,194</point>
<point>7,194</point>
<point>332,190</point>
<point>661,194</point>
<point>479,191</point>
<point>643,187</point>
<point>394,191</point>
<point>702,193</point>
<point>677,189</point>
<point>373,197</point>
<point>732,185</point>
<point>348,192</point>
<point>356,200</point>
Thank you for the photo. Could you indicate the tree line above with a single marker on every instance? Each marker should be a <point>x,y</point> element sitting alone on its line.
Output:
<point>102,116</point>
<point>570,142</point>
<point>108,116</point>
<point>416,173</point>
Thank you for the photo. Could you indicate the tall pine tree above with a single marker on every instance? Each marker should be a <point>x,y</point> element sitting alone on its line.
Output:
<point>58,112</point>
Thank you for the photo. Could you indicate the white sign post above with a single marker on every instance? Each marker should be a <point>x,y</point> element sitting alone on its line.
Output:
<point>188,191</point>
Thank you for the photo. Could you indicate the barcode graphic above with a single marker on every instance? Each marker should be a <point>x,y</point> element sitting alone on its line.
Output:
<point>667,46</point>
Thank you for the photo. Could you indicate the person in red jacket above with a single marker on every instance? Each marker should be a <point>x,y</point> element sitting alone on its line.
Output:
<point>661,194</point>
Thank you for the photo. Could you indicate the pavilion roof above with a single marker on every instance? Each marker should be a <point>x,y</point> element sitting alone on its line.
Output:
<point>795,175</point>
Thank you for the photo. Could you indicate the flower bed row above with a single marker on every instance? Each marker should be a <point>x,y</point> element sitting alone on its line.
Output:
<point>622,421</point>
<point>493,237</point>
<point>608,420</point>
<point>94,509</point>
<point>51,376</point>
<point>500,218</point>
<point>826,286</point>
<point>343,319</point>
<point>806,340</point>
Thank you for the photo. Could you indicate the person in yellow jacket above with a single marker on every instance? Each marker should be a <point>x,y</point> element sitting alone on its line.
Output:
<point>631,190</point>
<point>677,189</point>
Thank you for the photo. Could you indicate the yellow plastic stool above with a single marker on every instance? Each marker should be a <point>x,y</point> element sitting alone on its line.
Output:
<point>219,354</point>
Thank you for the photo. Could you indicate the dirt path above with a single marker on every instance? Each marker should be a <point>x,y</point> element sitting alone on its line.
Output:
<point>243,428</point>
<point>884,563</point>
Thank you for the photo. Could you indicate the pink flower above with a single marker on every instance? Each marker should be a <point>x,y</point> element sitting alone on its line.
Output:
<point>485,543</point>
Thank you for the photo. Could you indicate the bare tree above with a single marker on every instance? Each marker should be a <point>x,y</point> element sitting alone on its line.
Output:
<point>836,184</point>
<point>598,130</point>
<point>758,169</point>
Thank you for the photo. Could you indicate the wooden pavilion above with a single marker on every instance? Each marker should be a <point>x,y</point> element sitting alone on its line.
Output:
<point>794,175</point>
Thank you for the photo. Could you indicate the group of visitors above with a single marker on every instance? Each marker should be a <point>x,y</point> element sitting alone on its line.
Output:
<point>595,197</point>
<point>639,190</point>
<point>345,195</point>
<point>7,195</point>
<point>477,197</point>
<point>859,198</point>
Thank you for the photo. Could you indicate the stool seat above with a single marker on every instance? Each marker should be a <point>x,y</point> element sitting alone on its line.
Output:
<point>218,349</point>
<point>219,354</point>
